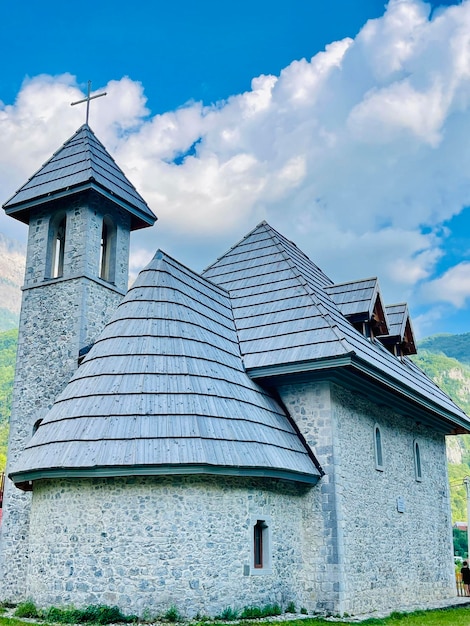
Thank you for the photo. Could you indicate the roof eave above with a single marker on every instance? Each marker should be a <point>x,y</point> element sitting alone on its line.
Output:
<point>297,367</point>
<point>333,368</point>
<point>24,479</point>
<point>21,210</point>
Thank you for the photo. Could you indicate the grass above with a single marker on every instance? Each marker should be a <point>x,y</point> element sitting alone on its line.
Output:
<point>459,616</point>
<point>442,617</point>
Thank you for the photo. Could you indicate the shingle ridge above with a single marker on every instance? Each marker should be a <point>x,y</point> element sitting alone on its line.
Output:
<point>43,166</point>
<point>219,297</point>
<point>235,245</point>
<point>311,293</point>
<point>91,136</point>
<point>163,256</point>
<point>352,282</point>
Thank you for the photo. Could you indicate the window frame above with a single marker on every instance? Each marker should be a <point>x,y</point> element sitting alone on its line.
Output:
<point>378,448</point>
<point>56,241</point>
<point>260,542</point>
<point>108,244</point>
<point>418,463</point>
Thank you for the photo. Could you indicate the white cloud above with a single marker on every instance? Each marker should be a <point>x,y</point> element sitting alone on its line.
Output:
<point>453,286</point>
<point>353,154</point>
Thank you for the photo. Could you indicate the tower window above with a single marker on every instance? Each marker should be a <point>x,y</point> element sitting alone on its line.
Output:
<point>108,250</point>
<point>379,464</point>
<point>56,247</point>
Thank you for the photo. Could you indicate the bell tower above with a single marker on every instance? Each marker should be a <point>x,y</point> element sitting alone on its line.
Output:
<point>80,209</point>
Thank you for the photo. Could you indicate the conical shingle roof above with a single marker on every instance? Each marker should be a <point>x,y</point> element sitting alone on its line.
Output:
<point>82,163</point>
<point>164,391</point>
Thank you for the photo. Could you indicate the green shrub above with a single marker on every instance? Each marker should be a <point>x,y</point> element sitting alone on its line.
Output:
<point>172,615</point>
<point>251,612</point>
<point>256,612</point>
<point>290,608</point>
<point>271,609</point>
<point>26,609</point>
<point>102,614</point>
<point>94,614</point>
<point>228,614</point>
<point>62,616</point>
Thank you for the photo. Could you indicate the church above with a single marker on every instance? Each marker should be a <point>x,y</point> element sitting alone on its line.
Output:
<point>251,435</point>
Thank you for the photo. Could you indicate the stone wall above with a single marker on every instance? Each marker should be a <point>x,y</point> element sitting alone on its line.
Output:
<point>374,557</point>
<point>148,543</point>
<point>397,530</point>
<point>58,318</point>
<point>310,406</point>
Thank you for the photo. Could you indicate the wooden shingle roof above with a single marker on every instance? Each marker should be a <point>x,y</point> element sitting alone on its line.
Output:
<point>398,316</point>
<point>289,325</point>
<point>81,164</point>
<point>164,391</point>
<point>170,387</point>
<point>400,328</point>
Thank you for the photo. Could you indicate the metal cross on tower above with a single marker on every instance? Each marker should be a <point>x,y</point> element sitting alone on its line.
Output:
<point>87,100</point>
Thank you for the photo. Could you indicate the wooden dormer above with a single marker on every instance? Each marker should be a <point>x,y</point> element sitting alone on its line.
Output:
<point>400,340</point>
<point>361,304</point>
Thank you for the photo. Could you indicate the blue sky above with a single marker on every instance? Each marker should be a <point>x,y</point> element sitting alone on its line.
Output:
<point>344,124</point>
<point>180,51</point>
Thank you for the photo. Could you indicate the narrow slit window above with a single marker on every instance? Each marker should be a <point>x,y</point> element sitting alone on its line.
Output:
<point>258,531</point>
<point>417,457</point>
<point>260,546</point>
<point>379,464</point>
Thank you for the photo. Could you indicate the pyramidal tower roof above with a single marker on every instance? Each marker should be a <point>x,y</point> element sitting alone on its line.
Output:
<point>81,164</point>
<point>164,391</point>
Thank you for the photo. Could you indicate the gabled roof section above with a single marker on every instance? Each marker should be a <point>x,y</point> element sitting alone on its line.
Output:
<point>279,317</point>
<point>82,163</point>
<point>360,302</point>
<point>288,325</point>
<point>164,391</point>
<point>401,331</point>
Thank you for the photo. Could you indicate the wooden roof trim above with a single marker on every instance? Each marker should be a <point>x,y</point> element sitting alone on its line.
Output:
<point>352,361</point>
<point>23,480</point>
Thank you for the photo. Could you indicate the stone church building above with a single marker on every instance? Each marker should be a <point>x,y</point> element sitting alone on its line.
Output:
<point>253,434</point>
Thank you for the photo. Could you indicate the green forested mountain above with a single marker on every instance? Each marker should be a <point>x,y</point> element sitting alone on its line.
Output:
<point>8,341</point>
<point>452,375</point>
<point>446,359</point>
<point>12,261</point>
<point>452,346</point>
